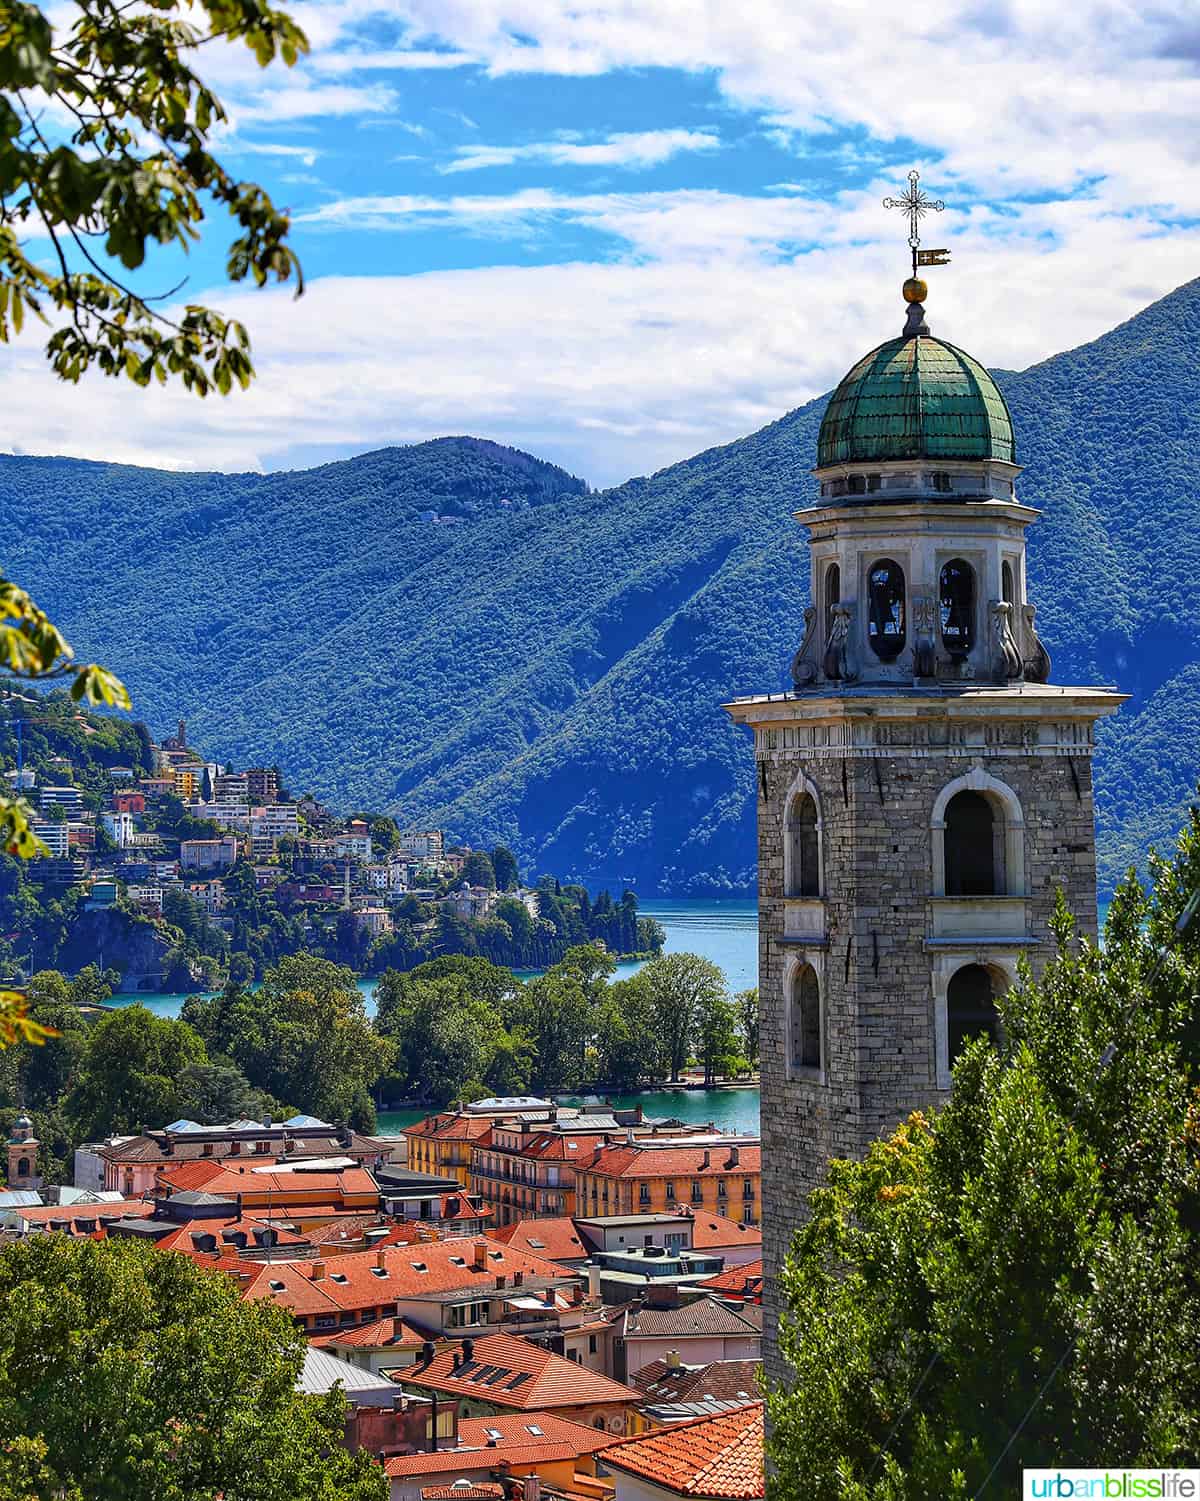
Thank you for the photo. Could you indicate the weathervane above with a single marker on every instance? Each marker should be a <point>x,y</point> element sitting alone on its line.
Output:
<point>916,204</point>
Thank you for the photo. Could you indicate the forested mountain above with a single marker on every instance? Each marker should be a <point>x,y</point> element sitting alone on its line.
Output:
<point>547,670</point>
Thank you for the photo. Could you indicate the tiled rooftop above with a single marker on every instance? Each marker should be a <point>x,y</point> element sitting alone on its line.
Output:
<point>712,1457</point>
<point>511,1372</point>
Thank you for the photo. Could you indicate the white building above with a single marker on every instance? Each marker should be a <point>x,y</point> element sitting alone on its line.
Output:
<point>422,844</point>
<point>55,836</point>
<point>120,826</point>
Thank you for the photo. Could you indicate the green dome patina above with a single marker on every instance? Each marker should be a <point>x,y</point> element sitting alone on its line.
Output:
<point>916,398</point>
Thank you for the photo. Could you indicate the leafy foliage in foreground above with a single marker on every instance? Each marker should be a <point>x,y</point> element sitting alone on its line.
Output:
<point>548,674</point>
<point>1023,1264</point>
<point>130,1374</point>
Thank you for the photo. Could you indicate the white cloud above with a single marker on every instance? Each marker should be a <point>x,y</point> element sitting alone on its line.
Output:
<point>306,155</point>
<point>609,369</point>
<point>629,149</point>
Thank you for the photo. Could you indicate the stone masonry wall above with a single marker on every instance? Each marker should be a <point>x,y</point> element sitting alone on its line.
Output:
<point>875,967</point>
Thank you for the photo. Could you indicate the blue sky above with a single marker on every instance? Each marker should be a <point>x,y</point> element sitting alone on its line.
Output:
<point>615,233</point>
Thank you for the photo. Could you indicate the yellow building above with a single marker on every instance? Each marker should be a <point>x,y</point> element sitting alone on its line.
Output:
<point>644,1177</point>
<point>441,1144</point>
<point>186,782</point>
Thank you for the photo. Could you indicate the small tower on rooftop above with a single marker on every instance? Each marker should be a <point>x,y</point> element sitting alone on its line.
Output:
<point>923,789</point>
<point>22,1147</point>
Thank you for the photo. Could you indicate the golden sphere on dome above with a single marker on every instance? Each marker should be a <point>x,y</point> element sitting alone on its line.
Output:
<point>914,290</point>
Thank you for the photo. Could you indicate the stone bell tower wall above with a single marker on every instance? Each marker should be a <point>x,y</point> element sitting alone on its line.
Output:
<point>882,938</point>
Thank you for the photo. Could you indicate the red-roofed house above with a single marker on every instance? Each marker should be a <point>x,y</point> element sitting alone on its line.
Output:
<point>718,1458</point>
<point>642,1177</point>
<point>744,1282</point>
<point>499,1373</point>
<point>308,1194</point>
<point>559,1451</point>
<point>441,1144</point>
<point>442,1286</point>
<point>556,1239</point>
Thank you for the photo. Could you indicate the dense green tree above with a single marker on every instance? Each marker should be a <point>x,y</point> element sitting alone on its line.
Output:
<point>477,870</point>
<point>682,986</point>
<point>716,1037</point>
<point>46,1072</point>
<point>447,1038</point>
<point>1012,1281</point>
<point>128,1077</point>
<point>130,1375</point>
<point>504,867</point>
<point>556,1012</point>
<point>746,1002</point>
<point>215,1092</point>
<point>302,1037</point>
<point>627,1044</point>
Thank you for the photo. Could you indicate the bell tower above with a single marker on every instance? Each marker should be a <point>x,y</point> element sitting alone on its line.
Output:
<point>923,788</point>
<point>22,1155</point>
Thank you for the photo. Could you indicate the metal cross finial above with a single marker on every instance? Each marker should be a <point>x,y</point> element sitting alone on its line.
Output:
<point>915,203</point>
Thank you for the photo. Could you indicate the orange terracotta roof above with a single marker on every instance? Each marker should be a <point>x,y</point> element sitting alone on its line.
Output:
<point>555,1238</point>
<point>451,1127</point>
<point>392,1333</point>
<point>511,1372</point>
<point>349,1228</point>
<point>43,1214</point>
<point>512,1440</point>
<point>711,1457</point>
<point>230,1179</point>
<point>725,1380</point>
<point>712,1232</point>
<point>183,1238</point>
<point>738,1281</point>
<point>369,1279</point>
<point>635,1161</point>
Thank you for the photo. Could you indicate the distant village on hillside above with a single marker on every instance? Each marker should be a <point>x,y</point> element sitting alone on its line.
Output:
<point>176,870</point>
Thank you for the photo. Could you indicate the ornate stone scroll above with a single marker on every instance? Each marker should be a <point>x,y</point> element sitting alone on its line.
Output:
<point>1037,663</point>
<point>1006,659</point>
<point>804,663</point>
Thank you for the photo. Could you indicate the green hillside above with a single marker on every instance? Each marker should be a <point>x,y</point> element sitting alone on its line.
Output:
<point>548,669</point>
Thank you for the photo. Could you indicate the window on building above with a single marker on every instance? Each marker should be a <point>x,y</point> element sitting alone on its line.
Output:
<point>886,627</point>
<point>670,1193</point>
<point>956,590</point>
<point>747,1188</point>
<point>970,1008</point>
<point>722,1188</point>
<point>643,1194</point>
<point>207,1149</point>
<point>804,847</point>
<point>697,1191</point>
<point>598,1423</point>
<point>973,846</point>
<point>940,480</point>
<point>591,1344</point>
<point>857,484</point>
<point>833,595</point>
<point>806,1019</point>
<point>1008,584</point>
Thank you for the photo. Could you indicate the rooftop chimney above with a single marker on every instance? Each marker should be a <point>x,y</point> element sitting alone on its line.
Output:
<point>673,1360</point>
<point>381,1259</point>
<point>705,1159</point>
<point>318,1271</point>
<point>518,1279</point>
<point>629,1136</point>
<point>480,1255</point>
<point>734,1156</point>
<point>468,1350</point>
<point>548,1297</point>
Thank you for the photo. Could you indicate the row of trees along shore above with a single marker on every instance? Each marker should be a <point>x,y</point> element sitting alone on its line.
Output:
<point>456,1028</point>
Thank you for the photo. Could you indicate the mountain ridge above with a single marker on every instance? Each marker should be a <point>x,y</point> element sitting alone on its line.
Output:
<point>548,667</point>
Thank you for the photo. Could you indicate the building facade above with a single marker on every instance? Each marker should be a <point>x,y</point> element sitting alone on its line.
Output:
<point>924,791</point>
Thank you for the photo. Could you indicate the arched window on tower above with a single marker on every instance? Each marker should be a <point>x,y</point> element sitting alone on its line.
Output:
<point>974,847</point>
<point>23,1167</point>
<point>806,1020</point>
<point>833,596</point>
<point>804,847</point>
<point>956,590</point>
<point>970,1008</point>
<point>1008,586</point>
<point>886,626</point>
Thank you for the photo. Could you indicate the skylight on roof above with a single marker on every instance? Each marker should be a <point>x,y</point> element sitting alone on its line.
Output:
<point>498,1375</point>
<point>495,1432</point>
<point>496,1255</point>
<point>458,1261</point>
<point>418,1266</point>
<point>339,1277</point>
<point>534,1429</point>
<point>276,1287</point>
<point>379,1271</point>
<point>518,1380</point>
<point>540,1244</point>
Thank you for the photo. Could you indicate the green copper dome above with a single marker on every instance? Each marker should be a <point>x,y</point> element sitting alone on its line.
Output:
<point>916,398</point>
